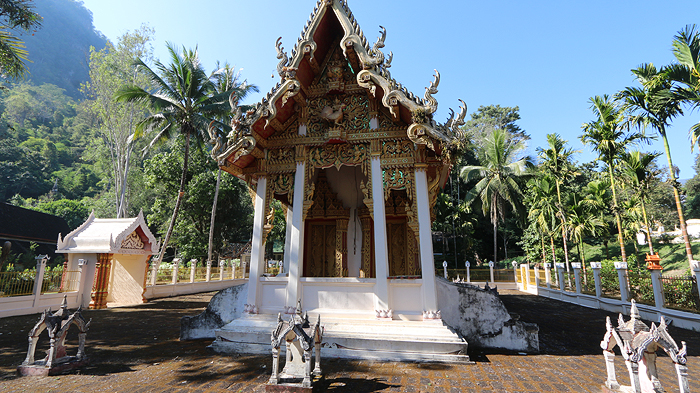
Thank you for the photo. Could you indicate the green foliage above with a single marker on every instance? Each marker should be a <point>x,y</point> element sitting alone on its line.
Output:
<point>75,212</point>
<point>15,14</point>
<point>190,237</point>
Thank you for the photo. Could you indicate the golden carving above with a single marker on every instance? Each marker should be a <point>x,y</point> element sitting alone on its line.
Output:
<point>345,111</point>
<point>338,155</point>
<point>341,247</point>
<point>283,183</point>
<point>325,202</point>
<point>133,242</point>
<point>367,254</point>
<point>321,254</point>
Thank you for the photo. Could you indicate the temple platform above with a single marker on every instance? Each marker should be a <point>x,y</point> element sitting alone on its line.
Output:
<point>393,340</point>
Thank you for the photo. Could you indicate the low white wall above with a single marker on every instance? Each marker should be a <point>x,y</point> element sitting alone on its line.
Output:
<point>681,319</point>
<point>24,305</point>
<point>168,290</point>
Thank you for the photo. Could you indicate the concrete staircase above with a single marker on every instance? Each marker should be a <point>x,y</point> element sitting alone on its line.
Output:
<point>395,340</point>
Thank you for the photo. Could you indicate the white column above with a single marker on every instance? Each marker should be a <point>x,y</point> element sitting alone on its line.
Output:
<point>381,252</point>
<point>82,271</point>
<point>193,269</point>
<point>176,270</point>
<point>658,288</point>
<point>257,252</point>
<point>621,268</point>
<point>296,238</point>
<point>39,279</point>
<point>596,266</point>
<point>548,275</point>
<point>560,275</point>
<point>426,240</point>
<point>288,240</point>
<point>577,275</point>
<point>537,276</point>
<point>469,276</point>
<point>491,271</point>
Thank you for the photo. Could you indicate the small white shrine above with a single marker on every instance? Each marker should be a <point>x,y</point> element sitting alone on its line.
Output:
<point>114,254</point>
<point>357,162</point>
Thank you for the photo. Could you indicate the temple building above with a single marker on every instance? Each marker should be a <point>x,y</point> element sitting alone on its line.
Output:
<point>357,162</point>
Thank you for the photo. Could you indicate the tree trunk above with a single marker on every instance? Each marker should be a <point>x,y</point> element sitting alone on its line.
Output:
<point>646,223</point>
<point>213,215</point>
<point>617,215</point>
<point>180,194</point>
<point>679,208</point>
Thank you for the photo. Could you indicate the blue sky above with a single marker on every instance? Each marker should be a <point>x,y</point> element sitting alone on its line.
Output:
<point>547,57</point>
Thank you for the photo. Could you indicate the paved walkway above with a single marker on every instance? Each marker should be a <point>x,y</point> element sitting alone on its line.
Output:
<point>136,349</point>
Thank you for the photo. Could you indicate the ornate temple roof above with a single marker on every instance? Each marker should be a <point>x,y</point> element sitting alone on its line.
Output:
<point>332,33</point>
<point>110,235</point>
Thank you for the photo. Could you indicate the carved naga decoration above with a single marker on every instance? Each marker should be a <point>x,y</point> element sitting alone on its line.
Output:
<point>452,125</point>
<point>376,55</point>
<point>282,68</point>
<point>215,139</point>
<point>431,102</point>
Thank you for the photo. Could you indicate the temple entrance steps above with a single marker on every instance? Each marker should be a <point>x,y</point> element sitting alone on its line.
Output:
<point>394,340</point>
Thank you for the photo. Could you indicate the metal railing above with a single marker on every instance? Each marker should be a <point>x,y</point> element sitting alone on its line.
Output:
<point>681,293</point>
<point>16,283</point>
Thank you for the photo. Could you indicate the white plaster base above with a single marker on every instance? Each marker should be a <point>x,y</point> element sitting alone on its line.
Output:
<point>353,338</point>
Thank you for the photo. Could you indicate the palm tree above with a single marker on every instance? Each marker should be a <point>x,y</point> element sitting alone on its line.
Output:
<point>184,101</point>
<point>582,221</point>
<point>498,188</point>
<point>639,173</point>
<point>596,200</point>
<point>608,138</point>
<point>543,211</point>
<point>225,80</point>
<point>686,74</point>
<point>654,106</point>
<point>556,162</point>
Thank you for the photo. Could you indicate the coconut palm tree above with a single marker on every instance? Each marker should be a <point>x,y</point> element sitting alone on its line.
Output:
<point>556,162</point>
<point>226,79</point>
<point>607,137</point>
<point>581,222</point>
<point>498,188</point>
<point>686,74</point>
<point>638,170</point>
<point>184,101</point>
<point>653,105</point>
<point>543,210</point>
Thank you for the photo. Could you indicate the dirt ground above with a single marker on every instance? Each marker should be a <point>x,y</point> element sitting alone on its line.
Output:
<point>136,349</point>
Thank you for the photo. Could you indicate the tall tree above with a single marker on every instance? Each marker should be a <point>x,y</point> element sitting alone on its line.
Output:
<point>498,189</point>
<point>638,170</point>
<point>654,106</point>
<point>183,101</point>
<point>488,118</point>
<point>556,162</point>
<point>226,79</point>
<point>110,69</point>
<point>609,139</point>
<point>686,74</point>
<point>15,14</point>
<point>542,212</point>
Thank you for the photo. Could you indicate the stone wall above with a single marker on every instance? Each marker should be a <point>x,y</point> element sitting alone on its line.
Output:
<point>482,319</point>
<point>223,308</point>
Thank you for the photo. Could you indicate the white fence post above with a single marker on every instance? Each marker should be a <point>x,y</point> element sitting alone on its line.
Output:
<point>537,276</point>
<point>548,274</point>
<point>39,279</point>
<point>193,269</point>
<point>596,266</point>
<point>221,270</point>
<point>577,275</point>
<point>621,268</point>
<point>176,269</point>
<point>560,275</point>
<point>208,271</point>
<point>658,288</point>
<point>515,272</point>
<point>491,270</point>
<point>154,274</point>
<point>82,265</point>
